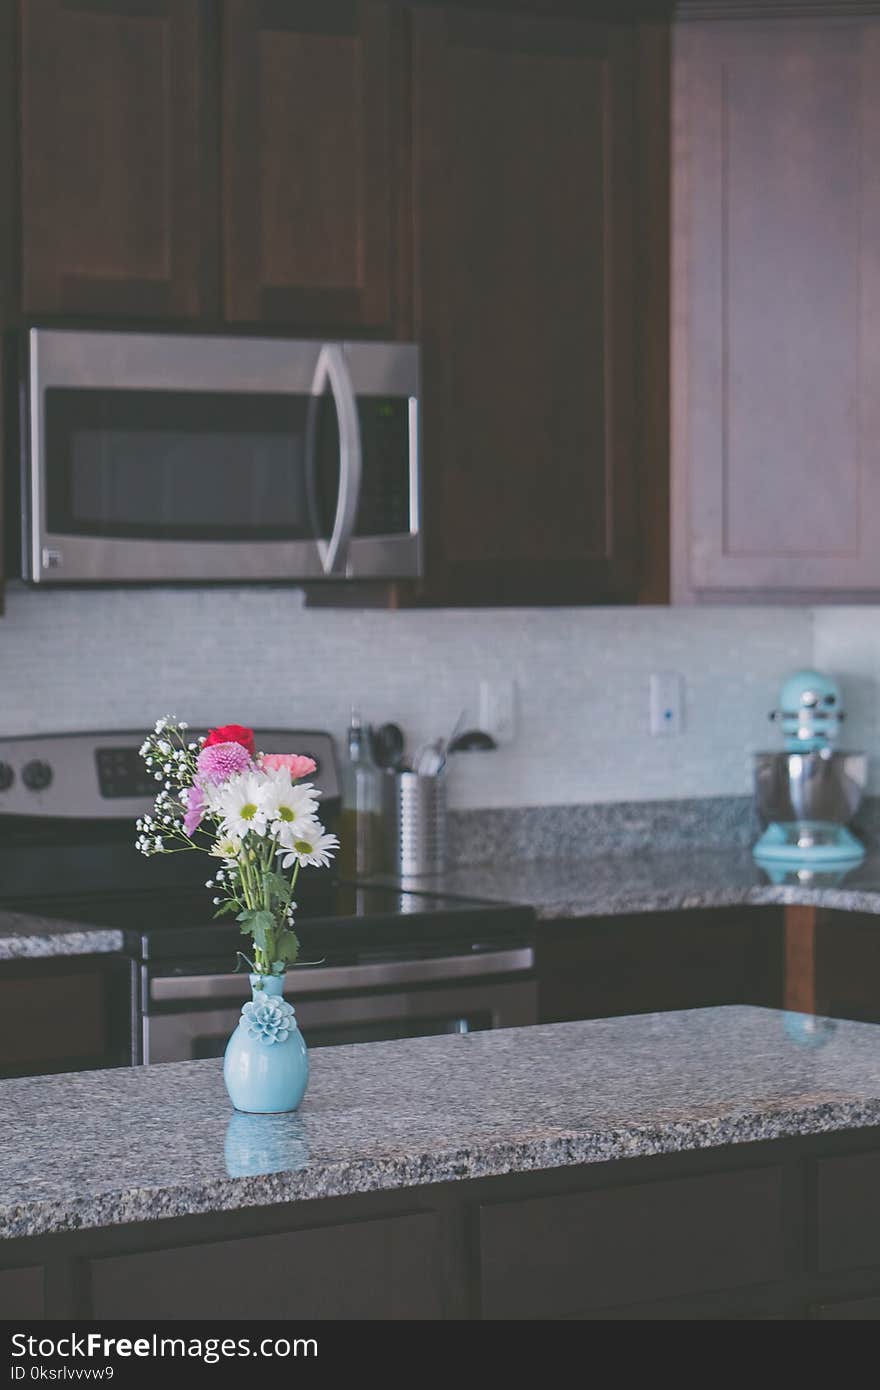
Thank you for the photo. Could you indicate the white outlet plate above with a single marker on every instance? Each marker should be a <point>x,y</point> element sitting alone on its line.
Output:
<point>498,709</point>
<point>667,703</point>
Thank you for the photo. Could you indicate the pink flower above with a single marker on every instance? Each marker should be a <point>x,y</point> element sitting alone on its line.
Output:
<point>220,761</point>
<point>296,763</point>
<point>195,809</point>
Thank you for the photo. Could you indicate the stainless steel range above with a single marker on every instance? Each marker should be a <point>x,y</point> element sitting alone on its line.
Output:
<point>387,963</point>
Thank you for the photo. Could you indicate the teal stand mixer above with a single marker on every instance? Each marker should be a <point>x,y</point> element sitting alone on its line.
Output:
<point>807,794</point>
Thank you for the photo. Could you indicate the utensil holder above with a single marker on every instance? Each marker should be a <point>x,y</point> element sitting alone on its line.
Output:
<point>416,813</point>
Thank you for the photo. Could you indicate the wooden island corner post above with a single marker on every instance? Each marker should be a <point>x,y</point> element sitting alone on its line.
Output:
<point>799,959</point>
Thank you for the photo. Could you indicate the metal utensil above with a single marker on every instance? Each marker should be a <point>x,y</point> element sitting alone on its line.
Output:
<point>430,758</point>
<point>388,745</point>
<point>472,741</point>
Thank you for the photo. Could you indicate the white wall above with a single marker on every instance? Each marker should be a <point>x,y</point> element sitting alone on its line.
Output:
<point>116,659</point>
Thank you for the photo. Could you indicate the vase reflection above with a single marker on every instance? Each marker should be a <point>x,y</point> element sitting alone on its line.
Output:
<point>808,1030</point>
<point>258,1144</point>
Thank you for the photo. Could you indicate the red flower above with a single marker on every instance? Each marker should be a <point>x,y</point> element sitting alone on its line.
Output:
<point>233,733</point>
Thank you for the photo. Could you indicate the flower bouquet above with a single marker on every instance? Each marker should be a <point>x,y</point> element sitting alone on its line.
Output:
<point>254,814</point>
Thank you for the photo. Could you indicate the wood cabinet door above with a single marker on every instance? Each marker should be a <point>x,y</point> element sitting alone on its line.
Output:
<point>388,1269</point>
<point>550,1257</point>
<point>22,1293</point>
<point>68,1014</point>
<point>117,204</point>
<point>776,346</point>
<point>311,163</point>
<point>523,132</point>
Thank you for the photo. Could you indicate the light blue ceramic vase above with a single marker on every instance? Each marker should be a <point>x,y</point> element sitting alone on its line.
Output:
<point>266,1066</point>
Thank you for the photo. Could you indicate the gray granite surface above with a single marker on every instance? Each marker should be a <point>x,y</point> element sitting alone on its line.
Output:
<point>610,827</point>
<point>27,937</point>
<point>96,1149</point>
<point>618,827</point>
<point>558,889</point>
<point>647,882</point>
<point>577,861</point>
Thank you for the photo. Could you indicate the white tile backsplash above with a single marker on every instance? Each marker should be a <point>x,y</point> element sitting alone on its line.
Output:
<point>80,659</point>
<point>846,641</point>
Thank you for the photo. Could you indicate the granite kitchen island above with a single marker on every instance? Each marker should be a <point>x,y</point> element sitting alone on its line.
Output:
<point>714,1162</point>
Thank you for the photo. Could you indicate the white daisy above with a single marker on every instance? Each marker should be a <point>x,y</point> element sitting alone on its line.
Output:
<point>239,804</point>
<point>226,847</point>
<point>315,847</point>
<point>290,810</point>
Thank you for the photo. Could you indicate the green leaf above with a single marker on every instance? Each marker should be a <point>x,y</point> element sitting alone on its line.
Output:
<point>287,944</point>
<point>262,924</point>
<point>275,886</point>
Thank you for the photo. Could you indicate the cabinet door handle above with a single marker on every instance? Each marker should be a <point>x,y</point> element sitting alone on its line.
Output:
<point>332,369</point>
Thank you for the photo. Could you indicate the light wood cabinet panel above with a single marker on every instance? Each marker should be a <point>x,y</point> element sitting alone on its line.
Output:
<point>776,342</point>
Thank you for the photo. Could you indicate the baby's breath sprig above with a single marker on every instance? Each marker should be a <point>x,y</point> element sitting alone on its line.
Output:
<point>170,756</point>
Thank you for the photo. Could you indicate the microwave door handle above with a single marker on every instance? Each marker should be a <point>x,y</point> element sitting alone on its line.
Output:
<point>332,369</point>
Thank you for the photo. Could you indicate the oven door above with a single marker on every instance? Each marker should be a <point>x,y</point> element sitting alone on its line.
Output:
<point>153,457</point>
<point>192,1017</point>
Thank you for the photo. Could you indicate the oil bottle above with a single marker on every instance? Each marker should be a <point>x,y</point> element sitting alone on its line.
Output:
<point>361,826</point>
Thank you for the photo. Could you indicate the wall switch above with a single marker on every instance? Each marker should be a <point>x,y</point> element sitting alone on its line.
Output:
<point>667,703</point>
<point>498,709</point>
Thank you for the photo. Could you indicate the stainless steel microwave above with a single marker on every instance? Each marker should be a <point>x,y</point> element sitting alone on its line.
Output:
<point>152,457</point>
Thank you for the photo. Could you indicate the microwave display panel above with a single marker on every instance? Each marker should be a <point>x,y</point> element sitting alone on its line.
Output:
<point>383,505</point>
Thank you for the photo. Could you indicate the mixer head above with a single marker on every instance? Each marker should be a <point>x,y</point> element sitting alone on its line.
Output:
<point>810,711</point>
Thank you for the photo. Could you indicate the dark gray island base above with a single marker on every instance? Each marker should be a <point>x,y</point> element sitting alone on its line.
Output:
<point>708,1163</point>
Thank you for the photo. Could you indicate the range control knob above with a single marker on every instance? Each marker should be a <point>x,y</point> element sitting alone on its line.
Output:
<point>36,775</point>
<point>7,777</point>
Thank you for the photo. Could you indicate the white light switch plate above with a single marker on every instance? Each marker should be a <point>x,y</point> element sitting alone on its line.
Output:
<point>667,703</point>
<point>498,709</point>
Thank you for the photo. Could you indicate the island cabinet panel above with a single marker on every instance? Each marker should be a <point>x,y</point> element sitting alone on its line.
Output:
<point>311,160</point>
<point>115,163</point>
<point>561,1256</point>
<point>847,1212</point>
<point>22,1293</point>
<point>523,150</point>
<point>368,1269</point>
<point>776,347</point>
<point>849,1310</point>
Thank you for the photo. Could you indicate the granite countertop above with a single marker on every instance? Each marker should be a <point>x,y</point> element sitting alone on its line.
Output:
<point>26,936</point>
<point>597,886</point>
<point>612,885</point>
<point>151,1142</point>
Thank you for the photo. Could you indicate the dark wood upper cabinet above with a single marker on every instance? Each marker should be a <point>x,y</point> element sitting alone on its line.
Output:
<point>524,166</point>
<point>118,209</point>
<point>312,159</point>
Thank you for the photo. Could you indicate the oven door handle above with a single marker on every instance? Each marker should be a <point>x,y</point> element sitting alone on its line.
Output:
<point>331,370</point>
<point>379,974</point>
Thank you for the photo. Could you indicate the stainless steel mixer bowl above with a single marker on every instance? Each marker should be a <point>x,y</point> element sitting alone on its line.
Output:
<point>821,786</point>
